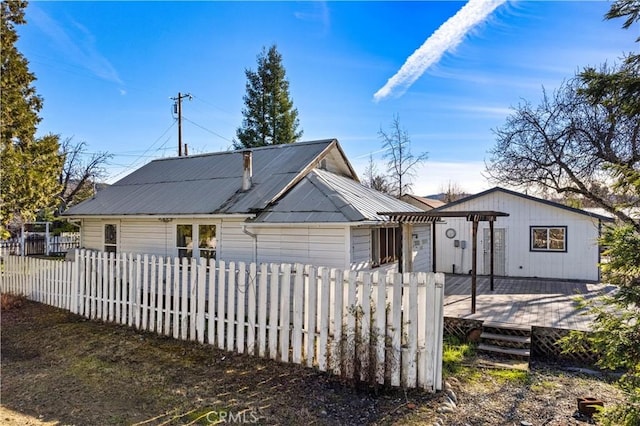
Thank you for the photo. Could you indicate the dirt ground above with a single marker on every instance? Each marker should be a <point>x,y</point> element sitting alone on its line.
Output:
<point>58,368</point>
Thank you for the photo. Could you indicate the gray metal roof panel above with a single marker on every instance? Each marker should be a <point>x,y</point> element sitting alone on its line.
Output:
<point>208,183</point>
<point>323,196</point>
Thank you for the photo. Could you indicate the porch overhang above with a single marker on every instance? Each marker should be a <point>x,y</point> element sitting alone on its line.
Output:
<point>474,216</point>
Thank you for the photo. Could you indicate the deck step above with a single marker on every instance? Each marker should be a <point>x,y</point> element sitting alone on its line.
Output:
<point>525,353</point>
<point>506,338</point>
<point>506,326</point>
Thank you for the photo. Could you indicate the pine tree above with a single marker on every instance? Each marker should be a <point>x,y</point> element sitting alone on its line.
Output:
<point>29,166</point>
<point>269,115</point>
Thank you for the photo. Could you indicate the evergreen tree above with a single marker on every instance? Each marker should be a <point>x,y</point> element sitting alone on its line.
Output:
<point>269,115</point>
<point>29,166</point>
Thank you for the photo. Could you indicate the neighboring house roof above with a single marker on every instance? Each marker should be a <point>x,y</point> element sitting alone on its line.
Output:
<point>299,182</point>
<point>323,196</point>
<point>525,196</point>
<point>422,202</point>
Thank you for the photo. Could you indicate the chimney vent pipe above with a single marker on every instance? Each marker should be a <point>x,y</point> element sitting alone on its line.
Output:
<point>247,169</point>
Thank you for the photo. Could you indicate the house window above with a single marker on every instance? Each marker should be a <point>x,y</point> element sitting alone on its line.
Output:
<point>383,245</point>
<point>184,240</point>
<point>207,241</point>
<point>110,237</point>
<point>548,238</point>
<point>205,235</point>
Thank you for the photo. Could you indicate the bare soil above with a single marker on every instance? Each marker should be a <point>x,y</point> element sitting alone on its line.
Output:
<point>60,368</point>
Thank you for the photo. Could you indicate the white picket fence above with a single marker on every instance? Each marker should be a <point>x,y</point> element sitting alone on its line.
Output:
<point>381,329</point>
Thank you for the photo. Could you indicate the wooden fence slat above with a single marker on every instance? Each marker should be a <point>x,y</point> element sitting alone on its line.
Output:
<point>412,338</point>
<point>193,297</point>
<point>168,294</point>
<point>274,284</point>
<point>285,312</point>
<point>311,315</point>
<point>146,267</point>
<point>324,318</point>
<point>160,297</point>
<point>298,294</point>
<point>220,314</point>
<point>242,300</point>
<point>396,344</point>
<point>211,307</point>
<point>184,298</point>
<point>202,296</point>
<point>380,325</point>
<point>350,334</point>
<point>103,307</point>
<point>175,294</point>
<point>422,330</point>
<point>438,297</point>
<point>430,338</point>
<point>153,285</point>
<point>363,348</point>
<point>251,308</point>
<point>112,287</point>
<point>231,300</point>
<point>94,285</point>
<point>336,345</point>
<point>262,310</point>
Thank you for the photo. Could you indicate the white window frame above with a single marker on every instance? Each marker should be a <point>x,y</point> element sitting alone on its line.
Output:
<point>376,249</point>
<point>194,246</point>
<point>547,248</point>
<point>115,245</point>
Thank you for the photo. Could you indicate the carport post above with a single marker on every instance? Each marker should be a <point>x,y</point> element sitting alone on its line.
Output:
<point>491,256</point>
<point>474,264</point>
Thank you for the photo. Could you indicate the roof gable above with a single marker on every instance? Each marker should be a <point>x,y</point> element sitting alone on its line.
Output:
<point>323,197</point>
<point>524,196</point>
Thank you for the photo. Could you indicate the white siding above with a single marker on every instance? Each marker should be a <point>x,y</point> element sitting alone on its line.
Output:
<point>91,234</point>
<point>360,248</point>
<point>317,245</point>
<point>578,262</point>
<point>421,248</point>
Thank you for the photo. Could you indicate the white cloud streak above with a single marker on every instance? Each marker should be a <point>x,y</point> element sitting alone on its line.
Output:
<point>445,38</point>
<point>78,46</point>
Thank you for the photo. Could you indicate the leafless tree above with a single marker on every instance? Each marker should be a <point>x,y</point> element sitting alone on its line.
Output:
<point>80,172</point>
<point>372,178</point>
<point>569,144</point>
<point>401,163</point>
<point>451,192</point>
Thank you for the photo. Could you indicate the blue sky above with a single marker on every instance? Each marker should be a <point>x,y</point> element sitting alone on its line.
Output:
<point>107,71</point>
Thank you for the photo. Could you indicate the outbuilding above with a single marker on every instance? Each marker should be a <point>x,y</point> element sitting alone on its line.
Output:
<point>538,238</point>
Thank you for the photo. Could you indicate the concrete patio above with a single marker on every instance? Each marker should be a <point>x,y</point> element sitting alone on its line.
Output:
<point>522,301</point>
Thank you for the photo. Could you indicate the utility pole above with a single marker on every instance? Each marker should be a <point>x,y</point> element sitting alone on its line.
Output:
<point>177,108</point>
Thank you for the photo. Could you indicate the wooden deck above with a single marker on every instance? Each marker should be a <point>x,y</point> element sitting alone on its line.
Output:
<point>522,301</point>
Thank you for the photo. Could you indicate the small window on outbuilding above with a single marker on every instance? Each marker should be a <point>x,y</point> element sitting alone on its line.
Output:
<point>548,238</point>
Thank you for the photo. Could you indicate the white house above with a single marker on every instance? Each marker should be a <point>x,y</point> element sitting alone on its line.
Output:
<point>539,238</point>
<point>299,202</point>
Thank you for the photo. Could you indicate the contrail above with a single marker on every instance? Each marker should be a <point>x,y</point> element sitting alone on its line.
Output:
<point>445,38</point>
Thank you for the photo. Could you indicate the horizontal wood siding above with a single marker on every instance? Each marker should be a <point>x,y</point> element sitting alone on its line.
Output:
<point>360,248</point>
<point>150,236</point>
<point>91,234</point>
<point>233,244</point>
<point>579,262</point>
<point>321,246</point>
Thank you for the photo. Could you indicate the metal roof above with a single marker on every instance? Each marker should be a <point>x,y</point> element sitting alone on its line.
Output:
<point>323,197</point>
<point>525,196</point>
<point>211,183</point>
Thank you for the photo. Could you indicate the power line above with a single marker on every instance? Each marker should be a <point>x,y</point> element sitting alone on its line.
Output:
<point>206,130</point>
<point>130,166</point>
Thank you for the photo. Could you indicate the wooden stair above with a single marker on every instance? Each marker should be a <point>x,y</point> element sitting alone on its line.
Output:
<point>505,340</point>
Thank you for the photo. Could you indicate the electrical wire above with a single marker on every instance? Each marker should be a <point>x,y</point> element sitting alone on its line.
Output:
<point>205,129</point>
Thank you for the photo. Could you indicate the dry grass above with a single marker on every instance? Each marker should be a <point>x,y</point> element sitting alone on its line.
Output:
<point>10,301</point>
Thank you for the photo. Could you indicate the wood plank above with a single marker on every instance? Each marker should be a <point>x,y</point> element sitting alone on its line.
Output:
<point>338,303</point>
<point>274,284</point>
<point>211,303</point>
<point>285,312</point>
<point>184,298</point>
<point>298,304</point>
<point>251,308</point>
<point>380,324</point>
<point>311,315</point>
<point>262,310</point>
<point>242,292</point>
<point>193,298</point>
<point>365,326</point>
<point>324,318</point>
<point>396,327</point>
<point>231,311</point>
<point>220,313</point>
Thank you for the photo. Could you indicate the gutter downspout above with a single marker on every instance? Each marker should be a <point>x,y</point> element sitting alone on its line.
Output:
<point>255,242</point>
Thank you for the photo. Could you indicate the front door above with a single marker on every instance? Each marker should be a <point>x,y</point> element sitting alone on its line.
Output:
<point>499,251</point>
